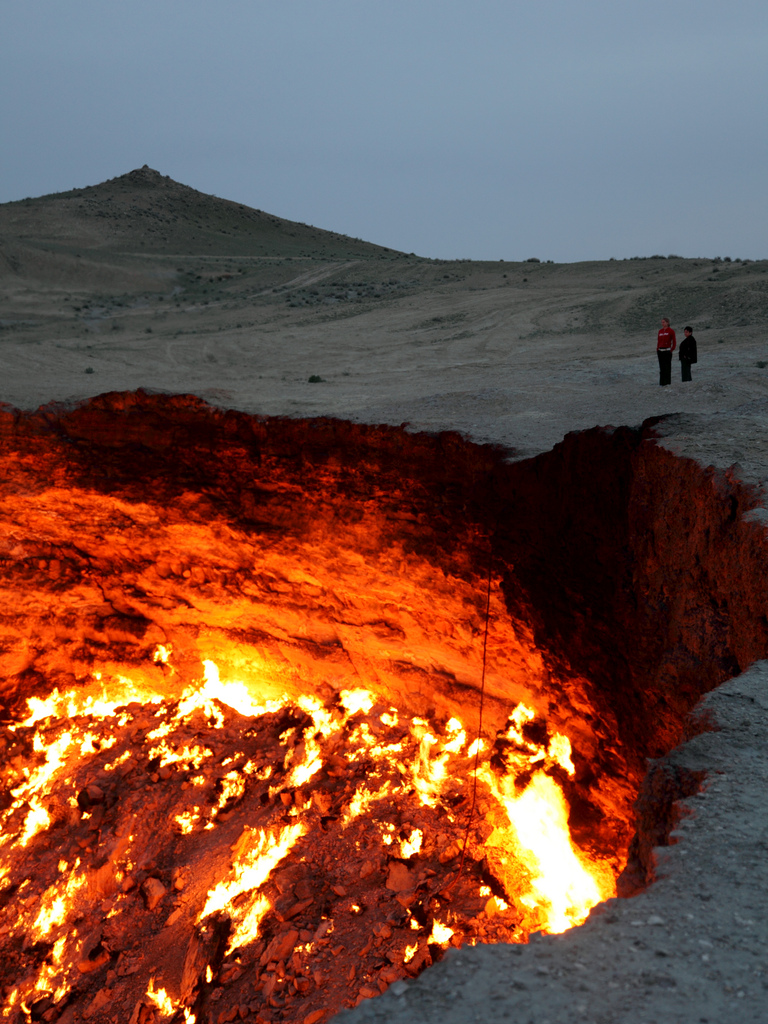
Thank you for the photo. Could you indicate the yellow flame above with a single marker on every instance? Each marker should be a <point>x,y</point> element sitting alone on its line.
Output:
<point>254,867</point>
<point>235,695</point>
<point>162,653</point>
<point>248,929</point>
<point>232,788</point>
<point>125,756</point>
<point>47,978</point>
<point>356,700</point>
<point>55,905</point>
<point>476,746</point>
<point>440,934</point>
<point>411,846</point>
<point>161,999</point>
<point>186,821</point>
<point>361,801</point>
<point>38,781</point>
<point>561,885</point>
<point>560,752</point>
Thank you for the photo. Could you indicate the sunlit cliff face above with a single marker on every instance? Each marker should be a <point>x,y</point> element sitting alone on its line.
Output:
<point>241,662</point>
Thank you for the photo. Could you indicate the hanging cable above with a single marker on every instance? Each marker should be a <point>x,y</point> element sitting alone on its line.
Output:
<point>479,727</point>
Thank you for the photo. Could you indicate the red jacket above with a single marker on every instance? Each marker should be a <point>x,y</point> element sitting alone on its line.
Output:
<point>667,339</point>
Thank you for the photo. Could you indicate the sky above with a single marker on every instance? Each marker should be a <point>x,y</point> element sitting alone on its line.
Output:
<point>455,129</point>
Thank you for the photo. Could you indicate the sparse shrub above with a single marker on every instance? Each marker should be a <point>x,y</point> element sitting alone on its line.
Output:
<point>147,330</point>
<point>89,369</point>
<point>762,364</point>
<point>533,259</point>
<point>315,379</point>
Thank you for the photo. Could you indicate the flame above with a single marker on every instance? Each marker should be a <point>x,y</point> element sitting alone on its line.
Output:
<point>253,869</point>
<point>232,788</point>
<point>354,701</point>
<point>186,821</point>
<point>440,934</point>
<point>560,752</point>
<point>476,746</point>
<point>561,885</point>
<point>162,653</point>
<point>386,761</point>
<point>38,782</point>
<point>160,998</point>
<point>411,846</point>
<point>56,904</point>
<point>248,928</point>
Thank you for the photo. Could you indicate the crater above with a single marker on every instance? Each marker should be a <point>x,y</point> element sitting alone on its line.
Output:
<point>290,706</point>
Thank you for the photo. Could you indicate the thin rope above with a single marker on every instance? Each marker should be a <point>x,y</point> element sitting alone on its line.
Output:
<point>479,728</point>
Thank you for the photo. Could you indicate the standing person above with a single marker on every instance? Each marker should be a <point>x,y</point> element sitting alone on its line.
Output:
<point>687,353</point>
<point>665,346</point>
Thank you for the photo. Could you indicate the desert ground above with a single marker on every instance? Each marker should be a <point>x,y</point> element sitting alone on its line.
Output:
<point>143,283</point>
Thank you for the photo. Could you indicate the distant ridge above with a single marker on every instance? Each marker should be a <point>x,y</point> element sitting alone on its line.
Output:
<point>144,211</point>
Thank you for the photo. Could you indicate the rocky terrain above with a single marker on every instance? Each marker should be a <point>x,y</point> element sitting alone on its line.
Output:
<point>259,315</point>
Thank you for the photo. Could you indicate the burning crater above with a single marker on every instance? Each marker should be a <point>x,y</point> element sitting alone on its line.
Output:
<point>240,672</point>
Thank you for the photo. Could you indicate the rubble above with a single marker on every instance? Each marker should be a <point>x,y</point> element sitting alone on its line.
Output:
<point>289,901</point>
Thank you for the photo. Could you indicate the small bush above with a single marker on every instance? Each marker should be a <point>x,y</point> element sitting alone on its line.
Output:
<point>315,379</point>
<point>89,369</point>
<point>762,364</point>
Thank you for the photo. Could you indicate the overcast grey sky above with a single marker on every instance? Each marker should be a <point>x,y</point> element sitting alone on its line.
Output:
<point>563,129</point>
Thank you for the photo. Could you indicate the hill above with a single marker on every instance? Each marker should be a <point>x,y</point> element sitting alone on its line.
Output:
<point>146,212</point>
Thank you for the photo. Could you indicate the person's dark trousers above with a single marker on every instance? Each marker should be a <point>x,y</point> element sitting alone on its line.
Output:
<point>665,366</point>
<point>685,368</point>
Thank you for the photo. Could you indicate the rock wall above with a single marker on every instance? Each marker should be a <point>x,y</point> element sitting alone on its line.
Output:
<point>625,581</point>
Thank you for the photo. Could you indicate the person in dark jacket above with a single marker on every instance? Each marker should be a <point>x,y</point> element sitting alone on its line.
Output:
<point>687,353</point>
<point>665,346</point>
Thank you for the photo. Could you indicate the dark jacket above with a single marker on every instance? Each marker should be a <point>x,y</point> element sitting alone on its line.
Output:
<point>687,350</point>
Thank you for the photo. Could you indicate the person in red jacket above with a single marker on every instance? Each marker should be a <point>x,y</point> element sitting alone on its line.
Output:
<point>665,346</point>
